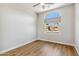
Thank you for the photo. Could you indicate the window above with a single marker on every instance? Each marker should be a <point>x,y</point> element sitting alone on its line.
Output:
<point>53,22</point>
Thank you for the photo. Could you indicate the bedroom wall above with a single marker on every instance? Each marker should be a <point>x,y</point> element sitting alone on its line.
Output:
<point>77,27</point>
<point>66,36</point>
<point>17,26</point>
<point>0,31</point>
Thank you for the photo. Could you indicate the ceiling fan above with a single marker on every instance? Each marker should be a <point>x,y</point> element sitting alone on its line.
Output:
<point>43,4</point>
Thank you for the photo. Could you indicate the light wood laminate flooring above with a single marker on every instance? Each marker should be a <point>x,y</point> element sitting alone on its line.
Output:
<point>42,48</point>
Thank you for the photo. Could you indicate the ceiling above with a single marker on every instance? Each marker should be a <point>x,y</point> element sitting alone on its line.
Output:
<point>39,9</point>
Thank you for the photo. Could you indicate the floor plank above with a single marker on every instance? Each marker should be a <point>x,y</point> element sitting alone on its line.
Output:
<point>42,48</point>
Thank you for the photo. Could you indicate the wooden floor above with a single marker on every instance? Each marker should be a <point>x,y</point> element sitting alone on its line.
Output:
<point>42,48</point>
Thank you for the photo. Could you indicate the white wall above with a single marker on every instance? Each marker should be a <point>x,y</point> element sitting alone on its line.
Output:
<point>77,27</point>
<point>17,25</point>
<point>67,34</point>
<point>0,31</point>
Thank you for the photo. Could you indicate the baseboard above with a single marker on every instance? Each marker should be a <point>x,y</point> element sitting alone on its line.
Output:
<point>57,42</point>
<point>6,50</point>
<point>1,52</point>
<point>62,43</point>
<point>76,49</point>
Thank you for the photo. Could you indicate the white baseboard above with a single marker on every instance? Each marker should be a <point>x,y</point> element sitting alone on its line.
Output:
<point>57,42</point>
<point>62,43</point>
<point>76,49</point>
<point>6,50</point>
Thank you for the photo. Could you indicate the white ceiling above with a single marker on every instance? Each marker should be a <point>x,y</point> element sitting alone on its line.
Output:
<point>39,9</point>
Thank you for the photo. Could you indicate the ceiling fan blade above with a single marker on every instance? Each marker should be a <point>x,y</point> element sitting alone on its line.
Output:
<point>36,4</point>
